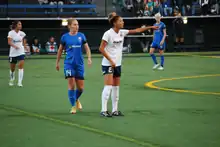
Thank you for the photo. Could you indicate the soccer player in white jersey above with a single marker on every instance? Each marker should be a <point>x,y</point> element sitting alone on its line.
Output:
<point>17,53</point>
<point>111,49</point>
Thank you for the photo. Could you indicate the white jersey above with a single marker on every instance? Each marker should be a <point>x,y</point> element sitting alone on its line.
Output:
<point>17,39</point>
<point>115,45</point>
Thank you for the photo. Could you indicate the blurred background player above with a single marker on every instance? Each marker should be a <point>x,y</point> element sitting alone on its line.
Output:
<point>73,42</point>
<point>178,26</point>
<point>158,42</point>
<point>17,52</point>
<point>111,49</point>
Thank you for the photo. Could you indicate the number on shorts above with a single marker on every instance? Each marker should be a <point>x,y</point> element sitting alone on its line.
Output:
<point>10,59</point>
<point>68,73</point>
<point>110,69</point>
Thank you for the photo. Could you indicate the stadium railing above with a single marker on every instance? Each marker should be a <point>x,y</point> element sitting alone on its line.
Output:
<point>25,7</point>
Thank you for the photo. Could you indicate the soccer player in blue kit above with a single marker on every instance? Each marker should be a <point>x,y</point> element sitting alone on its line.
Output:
<point>73,42</point>
<point>158,42</point>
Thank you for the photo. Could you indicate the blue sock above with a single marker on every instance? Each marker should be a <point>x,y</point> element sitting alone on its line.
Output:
<point>72,97</point>
<point>78,93</point>
<point>162,60</point>
<point>154,58</point>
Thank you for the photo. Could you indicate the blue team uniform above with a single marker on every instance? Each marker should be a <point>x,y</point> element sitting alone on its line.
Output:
<point>158,36</point>
<point>74,63</point>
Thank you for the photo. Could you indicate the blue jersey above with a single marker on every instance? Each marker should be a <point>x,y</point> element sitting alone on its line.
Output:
<point>73,45</point>
<point>158,34</point>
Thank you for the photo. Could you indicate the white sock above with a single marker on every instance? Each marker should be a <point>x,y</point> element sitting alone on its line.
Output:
<point>12,75</point>
<point>20,75</point>
<point>105,96</point>
<point>115,98</point>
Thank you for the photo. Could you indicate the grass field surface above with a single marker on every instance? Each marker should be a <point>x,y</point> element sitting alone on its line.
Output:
<point>38,114</point>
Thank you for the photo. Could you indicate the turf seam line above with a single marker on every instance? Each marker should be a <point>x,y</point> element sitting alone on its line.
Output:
<point>87,128</point>
<point>151,85</point>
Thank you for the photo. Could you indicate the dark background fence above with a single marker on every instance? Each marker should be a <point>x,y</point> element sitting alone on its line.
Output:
<point>201,34</point>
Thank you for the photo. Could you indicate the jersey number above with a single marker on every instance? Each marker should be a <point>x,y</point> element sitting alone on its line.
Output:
<point>110,69</point>
<point>68,73</point>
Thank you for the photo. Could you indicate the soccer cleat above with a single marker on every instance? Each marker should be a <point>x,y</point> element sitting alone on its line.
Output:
<point>106,114</point>
<point>11,83</point>
<point>161,68</point>
<point>20,85</point>
<point>78,105</point>
<point>117,113</point>
<point>73,110</point>
<point>156,66</point>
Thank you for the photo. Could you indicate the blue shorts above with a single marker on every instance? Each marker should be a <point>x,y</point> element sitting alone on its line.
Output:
<point>74,71</point>
<point>15,60</point>
<point>158,46</point>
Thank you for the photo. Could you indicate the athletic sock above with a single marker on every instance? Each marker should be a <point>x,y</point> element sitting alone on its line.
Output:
<point>154,58</point>
<point>12,75</point>
<point>105,96</point>
<point>115,98</point>
<point>162,60</point>
<point>72,97</point>
<point>20,75</point>
<point>78,93</point>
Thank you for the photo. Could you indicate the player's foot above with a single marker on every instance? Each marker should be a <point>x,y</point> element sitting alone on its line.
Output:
<point>117,113</point>
<point>156,66</point>
<point>78,105</point>
<point>161,68</point>
<point>73,110</point>
<point>11,83</point>
<point>20,85</point>
<point>106,114</point>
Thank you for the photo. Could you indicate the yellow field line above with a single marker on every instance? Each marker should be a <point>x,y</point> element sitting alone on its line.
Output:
<point>87,128</point>
<point>151,85</point>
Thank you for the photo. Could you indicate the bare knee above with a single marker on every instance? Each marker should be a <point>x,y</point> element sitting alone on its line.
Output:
<point>12,67</point>
<point>108,79</point>
<point>161,52</point>
<point>151,51</point>
<point>71,83</point>
<point>80,84</point>
<point>21,64</point>
<point>116,81</point>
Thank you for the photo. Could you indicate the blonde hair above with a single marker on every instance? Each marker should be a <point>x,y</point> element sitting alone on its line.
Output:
<point>157,16</point>
<point>70,21</point>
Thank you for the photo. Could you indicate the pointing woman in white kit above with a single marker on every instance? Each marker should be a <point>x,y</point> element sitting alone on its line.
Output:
<point>111,49</point>
<point>17,53</point>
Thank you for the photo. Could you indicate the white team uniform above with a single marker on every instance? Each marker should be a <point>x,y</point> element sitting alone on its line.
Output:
<point>17,39</point>
<point>115,45</point>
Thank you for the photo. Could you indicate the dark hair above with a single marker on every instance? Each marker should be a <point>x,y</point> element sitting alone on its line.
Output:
<point>14,24</point>
<point>114,19</point>
<point>35,38</point>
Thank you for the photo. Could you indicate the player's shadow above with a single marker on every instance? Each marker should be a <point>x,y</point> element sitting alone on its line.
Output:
<point>79,113</point>
<point>143,112</point>
<point>12,115</point>
<point>89,113</point>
